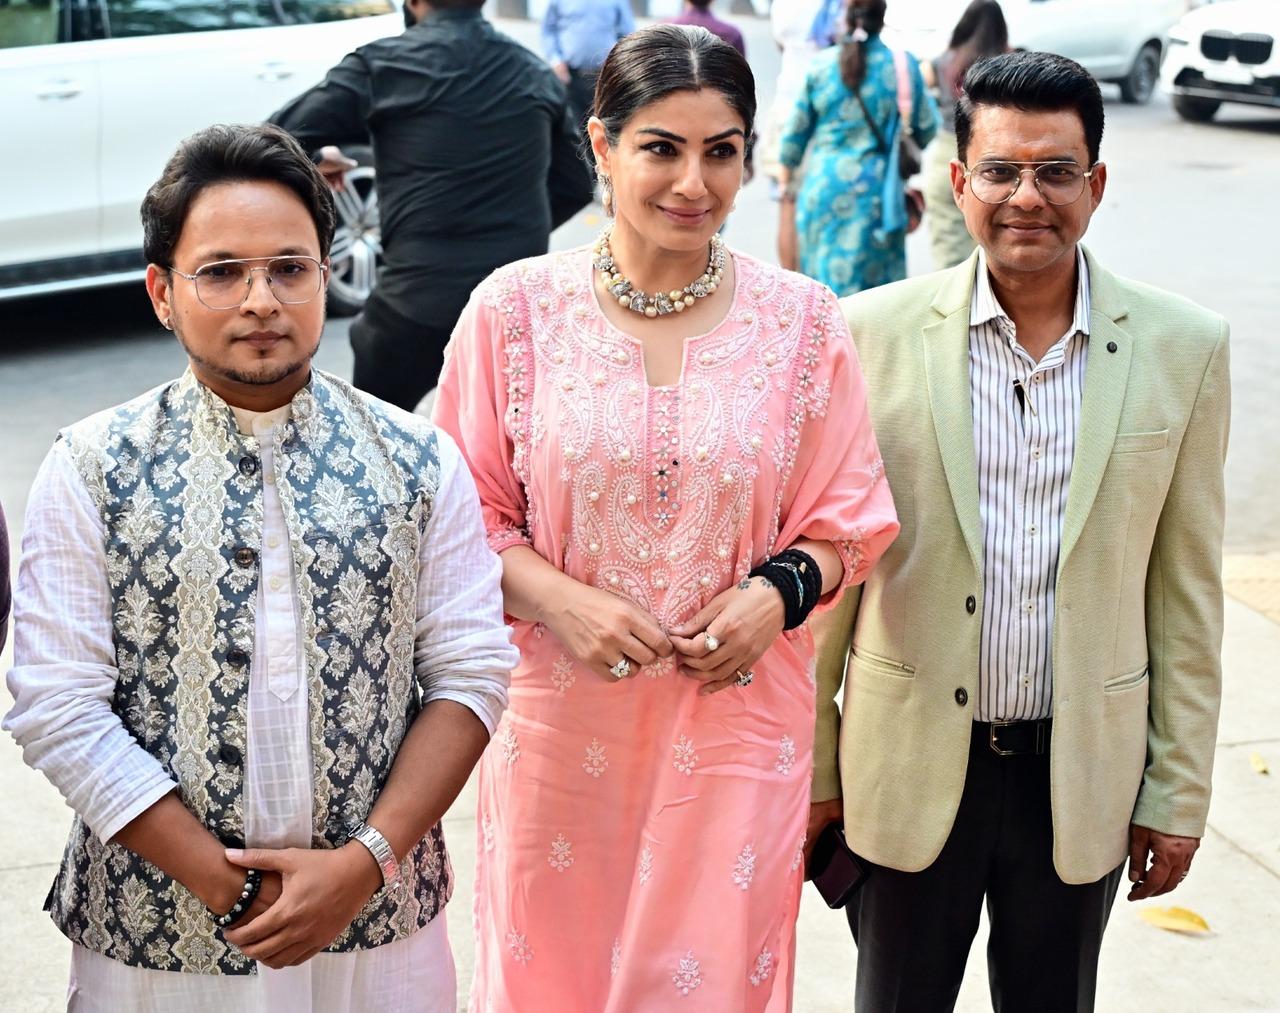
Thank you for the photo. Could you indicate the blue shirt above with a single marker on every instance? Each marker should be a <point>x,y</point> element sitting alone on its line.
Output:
<point>581,32</point>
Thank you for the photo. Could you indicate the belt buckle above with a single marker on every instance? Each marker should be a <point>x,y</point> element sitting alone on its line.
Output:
<point>995,748</point>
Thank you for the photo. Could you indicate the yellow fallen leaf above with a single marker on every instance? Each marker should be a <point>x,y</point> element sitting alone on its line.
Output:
<point>1175,919</point>
<point>1259,764</point>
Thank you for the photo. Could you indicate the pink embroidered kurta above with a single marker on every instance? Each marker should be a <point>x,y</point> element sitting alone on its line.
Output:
<point>640,845</point>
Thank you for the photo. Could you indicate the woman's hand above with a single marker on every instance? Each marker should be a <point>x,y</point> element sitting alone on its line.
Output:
<point>600,629</point>
<point>322,893</point>
<point>743,622</point>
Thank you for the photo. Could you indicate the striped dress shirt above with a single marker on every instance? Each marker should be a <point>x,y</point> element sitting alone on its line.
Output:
<point>1025,417</point>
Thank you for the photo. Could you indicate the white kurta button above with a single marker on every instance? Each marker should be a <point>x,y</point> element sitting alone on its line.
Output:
<point>273,542</point>
<point>276,583</point>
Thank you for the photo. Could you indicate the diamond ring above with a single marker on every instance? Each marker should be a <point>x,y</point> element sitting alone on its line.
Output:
<point>621,670</point>
<point>744,678</point>
<point>711,642</point>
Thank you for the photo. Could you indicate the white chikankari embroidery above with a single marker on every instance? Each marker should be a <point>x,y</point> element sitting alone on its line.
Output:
<point>595,764</point>
<point>510,747</point>
<point>646,865</point>
<point>486,831</point>
<point>685,759</point>
<point>798,857</point>
<point>763,968</point>
<point>615,958</point>
<point>744,870</point>
<point>521,951</point>
<point>688,975</point>
<point>562,676</point>
<point>561,856</point>
<point>786,755</point>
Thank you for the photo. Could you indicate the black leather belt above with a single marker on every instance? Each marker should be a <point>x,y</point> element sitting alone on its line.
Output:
<point>1015,738</point>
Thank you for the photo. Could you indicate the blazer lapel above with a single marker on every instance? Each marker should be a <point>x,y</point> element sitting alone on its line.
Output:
<point>946,360</point>
<point>1106,376</point>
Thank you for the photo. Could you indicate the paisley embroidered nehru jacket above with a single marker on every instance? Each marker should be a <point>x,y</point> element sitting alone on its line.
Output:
<point>179,491</point>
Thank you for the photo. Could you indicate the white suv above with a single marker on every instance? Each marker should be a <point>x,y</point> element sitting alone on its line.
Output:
<point>97,94</point>
<point>1226,52</point>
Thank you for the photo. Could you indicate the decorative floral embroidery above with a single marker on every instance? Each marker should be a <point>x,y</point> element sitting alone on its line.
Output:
<point>744,869</point>
<point>595,764</point>
<point>786,755</point>
<point>763,968</point>
<point>798,857</point>
<point>615,958</point>
<point>688,975</point>
<point>561,856</point>
<point>562,676</point>
<point>685,759</point>
<point>519,947</point>
<point>486,832</point>
<point>510,747</point>
<point>646,865</point>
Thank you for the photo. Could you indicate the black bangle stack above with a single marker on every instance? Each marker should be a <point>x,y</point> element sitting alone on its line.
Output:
<point>252,884</point>
<point>799,581</point>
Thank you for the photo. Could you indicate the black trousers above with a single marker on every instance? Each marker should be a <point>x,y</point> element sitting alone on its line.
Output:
<point>914,930</point>
<point>396,359</point>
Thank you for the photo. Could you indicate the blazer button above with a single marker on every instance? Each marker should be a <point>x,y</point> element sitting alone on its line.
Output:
<point>229,754</point>
<point>246,557</point>
<point>1112,346</point>
<point>971,604</point>
<point>962,696</point>
<point>248,466</point>
<point>237,657</point>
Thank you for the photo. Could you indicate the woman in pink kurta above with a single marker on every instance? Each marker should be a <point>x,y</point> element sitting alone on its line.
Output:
<point>640,841</point>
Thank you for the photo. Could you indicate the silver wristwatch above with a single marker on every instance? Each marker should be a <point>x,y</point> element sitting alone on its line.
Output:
<point>381,851</point>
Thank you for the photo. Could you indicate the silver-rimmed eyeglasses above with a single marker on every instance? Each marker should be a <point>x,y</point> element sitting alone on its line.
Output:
<point>225,284</point>
<point>1058,182</point>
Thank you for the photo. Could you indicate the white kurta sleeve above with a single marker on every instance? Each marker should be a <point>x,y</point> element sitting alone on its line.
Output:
<point>462,647</point>
<point>64,673</point>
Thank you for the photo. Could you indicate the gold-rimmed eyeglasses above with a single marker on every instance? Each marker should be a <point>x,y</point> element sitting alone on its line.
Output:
<point>1058,182</point>
<point>225,284</point>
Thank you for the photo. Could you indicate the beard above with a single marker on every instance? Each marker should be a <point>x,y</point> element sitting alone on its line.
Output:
<point>265,374</point>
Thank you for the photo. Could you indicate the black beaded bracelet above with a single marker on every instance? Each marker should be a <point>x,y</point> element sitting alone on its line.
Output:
<point>795,575</point>
<point>252,884</point>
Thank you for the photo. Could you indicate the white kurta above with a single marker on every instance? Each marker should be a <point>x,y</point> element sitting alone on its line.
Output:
<point>459,617</point>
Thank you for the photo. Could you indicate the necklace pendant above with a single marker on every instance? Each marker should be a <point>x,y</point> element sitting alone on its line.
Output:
<point>638,302</point>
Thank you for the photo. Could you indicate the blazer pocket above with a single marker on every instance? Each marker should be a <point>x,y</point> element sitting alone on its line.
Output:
<point>1125,682</point>
<point>1138,443</point>
<point>884,666</point>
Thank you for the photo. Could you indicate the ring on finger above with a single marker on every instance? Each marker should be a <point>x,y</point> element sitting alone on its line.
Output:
<point>744,678</point>
<point>621,670</point>
<point>711,642</point>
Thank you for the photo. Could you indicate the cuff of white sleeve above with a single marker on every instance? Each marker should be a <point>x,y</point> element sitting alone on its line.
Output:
<point>486,708</point>
<point>110,822</point>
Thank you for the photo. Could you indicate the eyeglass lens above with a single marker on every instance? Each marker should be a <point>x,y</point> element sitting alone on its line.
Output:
<point>226,283</point>
<point>1058,182</point>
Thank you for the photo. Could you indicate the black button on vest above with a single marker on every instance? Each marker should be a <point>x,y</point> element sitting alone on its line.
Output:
<point>971,604</point>
<point>248,466</point>
<point>238,657</point>
<point>962,696</point>
<point>246,557</point>
<point>229,754</point>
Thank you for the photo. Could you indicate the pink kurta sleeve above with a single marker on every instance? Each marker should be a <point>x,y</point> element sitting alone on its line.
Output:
<point>837,490</point>
<point>474,404</point>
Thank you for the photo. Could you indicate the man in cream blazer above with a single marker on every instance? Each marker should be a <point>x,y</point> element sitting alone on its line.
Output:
<point>1031,674</point>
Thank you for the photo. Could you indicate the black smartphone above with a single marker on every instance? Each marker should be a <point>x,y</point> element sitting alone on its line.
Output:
<point>835,870</point>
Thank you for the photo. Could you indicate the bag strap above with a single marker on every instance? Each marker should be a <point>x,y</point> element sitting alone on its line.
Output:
<point>875,131</point>
<point>906,98</point>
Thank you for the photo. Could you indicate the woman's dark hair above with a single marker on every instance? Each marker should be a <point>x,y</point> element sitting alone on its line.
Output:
<point>648,65</point>
<point>1035,82</point>
<point>230,154</point>
<point>865,17</point>
<point>980,32</point>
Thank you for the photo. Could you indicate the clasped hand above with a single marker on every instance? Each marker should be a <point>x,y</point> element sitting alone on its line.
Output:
<point>744,621</point>
<point>321,893</point>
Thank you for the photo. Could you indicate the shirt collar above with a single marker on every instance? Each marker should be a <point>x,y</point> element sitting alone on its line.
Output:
<point>984,306</point>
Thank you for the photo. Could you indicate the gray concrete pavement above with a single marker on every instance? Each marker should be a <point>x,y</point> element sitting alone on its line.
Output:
<point>1189,208</point>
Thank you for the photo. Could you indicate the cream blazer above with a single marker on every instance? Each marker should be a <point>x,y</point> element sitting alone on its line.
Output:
<point>1138,627</point>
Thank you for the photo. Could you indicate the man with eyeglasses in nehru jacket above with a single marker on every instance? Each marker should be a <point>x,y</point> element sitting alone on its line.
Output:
<point>259,641</point>
<point>1032,673</point>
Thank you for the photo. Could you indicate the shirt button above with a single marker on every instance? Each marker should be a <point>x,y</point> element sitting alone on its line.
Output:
<point>1032,529</point>
<point>1035,452</point>
<point>971,604</point>
<point>962,696</point>
<point>245,557</point>
<point>1030,607</point>
<point>229,754</point>
<point>269,478</point>
<point>275,583</point>
<point>273,542</point>
<point>248,466</point>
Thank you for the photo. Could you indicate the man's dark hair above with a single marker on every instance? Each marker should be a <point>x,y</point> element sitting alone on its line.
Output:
<point>702,5</point>
<point>457,5</point>
<point>1035,82</point>
<point>230,154</point>
<point>648,65</point>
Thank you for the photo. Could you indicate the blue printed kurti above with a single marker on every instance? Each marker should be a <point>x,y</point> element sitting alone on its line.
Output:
<point>840,205</point>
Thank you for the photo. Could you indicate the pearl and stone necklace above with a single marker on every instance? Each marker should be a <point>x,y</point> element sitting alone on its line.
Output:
<point>662,303</point>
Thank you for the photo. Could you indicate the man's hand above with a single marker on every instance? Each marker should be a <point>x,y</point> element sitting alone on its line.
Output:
<point>820,814</point>
<point>1170,861</point>
<point>322,892</point>
<point>334,166</point>
<point>561,70</point>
